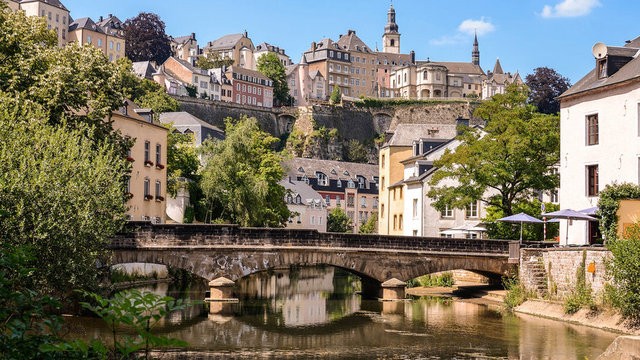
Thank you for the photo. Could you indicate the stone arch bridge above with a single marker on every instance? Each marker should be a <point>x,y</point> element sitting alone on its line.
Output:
<point>232,252</point>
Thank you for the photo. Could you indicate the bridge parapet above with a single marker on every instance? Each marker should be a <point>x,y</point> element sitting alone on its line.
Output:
<point>145,234</point>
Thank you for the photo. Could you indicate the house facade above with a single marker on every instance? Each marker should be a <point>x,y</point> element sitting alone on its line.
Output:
<point>206,85</point>
<point>308,208</point>
<point>352,187</point>
<point>185,48</point>
<point>54,12</point>
<point>237,47</point>
<point>305,87</point>
<point>497,81</point>
<point>250,87</point>
<point>116,44</point>
<point>599,134</point>
<point>265,48</point>
<point>147,184</point>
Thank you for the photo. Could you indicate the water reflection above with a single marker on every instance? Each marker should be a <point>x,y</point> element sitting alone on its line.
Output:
<point>316,312</point>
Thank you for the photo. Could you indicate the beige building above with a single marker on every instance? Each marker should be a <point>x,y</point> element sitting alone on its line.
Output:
<point>185,48</point>
<point>308,208</point>
<point>352,187</point>
<point>13,5</point>
<point>147,183</point>
<point>497,81</point>
<point>237,47</point>
<point>265,48</point>
<point>113,29</point>
<point>106,35</point>
<point>53,11</point>
<point>363,68</point>
<point>177,70</point>
<point>305,87</point>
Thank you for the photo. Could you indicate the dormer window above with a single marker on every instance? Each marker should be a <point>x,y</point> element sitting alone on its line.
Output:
<point>362,182</point>
<point>602,68</point>
<point>322,179</point>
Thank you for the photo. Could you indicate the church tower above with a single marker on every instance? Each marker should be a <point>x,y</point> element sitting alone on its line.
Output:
<point>475,54</point>
<point>391,37</point>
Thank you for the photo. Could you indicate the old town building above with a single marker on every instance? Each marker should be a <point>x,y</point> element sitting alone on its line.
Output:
<point>237,47</point>
<point>308,208</point>
<point>185,48</point>
<point>54,12</point>
<point>250,87</point>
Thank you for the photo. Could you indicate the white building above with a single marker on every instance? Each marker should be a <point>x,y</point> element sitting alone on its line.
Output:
<point>599,134</point>
<point>308,208</point>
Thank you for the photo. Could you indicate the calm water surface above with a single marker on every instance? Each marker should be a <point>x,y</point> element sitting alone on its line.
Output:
<point>317,313</point>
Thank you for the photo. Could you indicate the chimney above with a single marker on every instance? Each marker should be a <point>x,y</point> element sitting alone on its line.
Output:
<point>313,46</point>
<point>193,36</point>
<point>101,19</point>
<point>110,15</point>
<point>413,57</point>
<point>246,34</point>
<point>351,32</point>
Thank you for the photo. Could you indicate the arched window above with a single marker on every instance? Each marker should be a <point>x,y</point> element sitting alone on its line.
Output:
<point>322,178</point>
<point>393,42</point>
<point>425,76</point>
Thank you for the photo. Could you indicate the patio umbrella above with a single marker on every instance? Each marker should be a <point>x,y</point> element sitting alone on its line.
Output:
<point>569,214</point>
<point>521,218</point>
<point>590,211</point>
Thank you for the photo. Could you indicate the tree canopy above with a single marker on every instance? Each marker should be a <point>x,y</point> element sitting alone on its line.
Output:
<point>546,85</point>
<point>146,38</point>
<point>338,221</point>
<point>240,179</point>
<point>270,66</point>
<point>504,163</point>
<point>212,60</point>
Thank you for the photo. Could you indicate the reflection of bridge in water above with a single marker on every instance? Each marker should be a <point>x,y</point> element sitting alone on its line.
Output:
<point>231,252</point>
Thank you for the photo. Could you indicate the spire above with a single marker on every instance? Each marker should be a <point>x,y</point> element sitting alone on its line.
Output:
<point>497,68</point>
<point>391,27</point>
<point>475,54</point>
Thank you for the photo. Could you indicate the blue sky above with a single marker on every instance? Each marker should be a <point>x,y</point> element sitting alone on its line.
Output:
<point>523,34</point>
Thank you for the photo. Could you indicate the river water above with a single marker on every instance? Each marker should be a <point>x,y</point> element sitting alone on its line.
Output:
<point>318,313</point>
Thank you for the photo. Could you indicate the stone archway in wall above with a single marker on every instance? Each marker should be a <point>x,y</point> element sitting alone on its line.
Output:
<point>285,123</point>
<point>425,94</point>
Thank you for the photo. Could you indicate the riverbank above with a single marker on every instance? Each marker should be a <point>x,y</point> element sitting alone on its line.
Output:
<point>604,320</point>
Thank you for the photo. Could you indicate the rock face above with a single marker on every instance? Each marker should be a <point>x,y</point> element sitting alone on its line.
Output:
<point>623,348</point>
<point>365,125</point>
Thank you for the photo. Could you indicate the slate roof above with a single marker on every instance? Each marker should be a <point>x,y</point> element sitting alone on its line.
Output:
<point>629,71</point>
<point>497,68</point>
<point>85,23</point>
<point>183,118</point>
<point>183,39</point>
<point>352,42</point>
<point>144,69</point>
<point>405,134</point>
<point>333,169</point>
<point>394,59</point>
<point>111,25</point>
<point>225,42</point>
<point>301,188</point>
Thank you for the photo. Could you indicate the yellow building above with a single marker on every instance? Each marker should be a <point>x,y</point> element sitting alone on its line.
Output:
<point>147,183</point>
<point>106,35</point>
<point>391,169</point>
<point>54,12</point>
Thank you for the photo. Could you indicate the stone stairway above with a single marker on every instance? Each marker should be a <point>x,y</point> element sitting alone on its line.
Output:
<point>538,277</point>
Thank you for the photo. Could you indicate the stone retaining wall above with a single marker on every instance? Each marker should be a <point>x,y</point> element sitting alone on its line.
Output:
<point>556,269</point>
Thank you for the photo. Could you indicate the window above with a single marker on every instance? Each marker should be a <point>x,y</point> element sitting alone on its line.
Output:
<point>362,182</point>
<point>382,158</point>
<point>446,212</point>
<point>425,76</point>
<point>147,149</point>
<point>338,200</point>
<point>99,42</point>
<point>415,208</point>
<point>395,222</point>
<point>350,200</point>
<point>400,222</point>
<point>339,183</point>
<point>592,180</point>
<point>472,210</point>
<point>602,68</point>
<point>238,98</point>
<point>381,211</point>
<point>592,129</point>
<point>158,154</point>
<point>128,184</point>
<point>88,39</point>
<point>147,189</point>
<point>327,200</point>
<point>322,179</point>
<point>158,188</point>
<point>363,201</point>
<point>64,20</point>
<point>382,181</point>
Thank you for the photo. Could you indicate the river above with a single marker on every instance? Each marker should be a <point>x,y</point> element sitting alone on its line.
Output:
<point>317,312</point>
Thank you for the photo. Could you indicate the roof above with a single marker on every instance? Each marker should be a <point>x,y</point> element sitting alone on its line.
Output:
<point>394,59</point>
<point>497,68</point>
<point>55,3</point>
<point>144,69</point>
<point>352,42</point>
<point>184,39</point>
<point>268,47</point>
<point>333,169</point>
<point>183,118</point>
<point>249,72</point>
<point>188,66</point>
<point>461,67</point>
<point>111,25</point>
<point>85,23</point>
<point>629,71</point>
<point>301,188</point>
<point>225,42</point>
<point>405,134</point>
<point>290,68</point>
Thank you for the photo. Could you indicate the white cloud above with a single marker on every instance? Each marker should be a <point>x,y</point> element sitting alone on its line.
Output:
<point>467,27</point>
<point>481,27</point>
<point>569,8</point>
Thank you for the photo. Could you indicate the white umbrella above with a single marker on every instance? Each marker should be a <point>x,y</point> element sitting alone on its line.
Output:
<point>521,218</point>
<point>569,215</point>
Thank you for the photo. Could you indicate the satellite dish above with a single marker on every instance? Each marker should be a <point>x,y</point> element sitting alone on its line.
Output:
<point>599,50</point>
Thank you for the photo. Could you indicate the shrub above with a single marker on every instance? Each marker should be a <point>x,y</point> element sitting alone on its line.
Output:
<point>581,295</point>
<point>516,293</point>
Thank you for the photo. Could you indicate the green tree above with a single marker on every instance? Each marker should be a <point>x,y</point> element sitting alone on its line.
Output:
<point>512,157</point>
<point>241,175</point>
<point>371,226</point>
<point>61,194</point>
<point>338,221</point>
<point>355,151</point>
<point>270,66</point>
<point>146,39</point>
<point>212,60</point>
<point>335,97</point>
